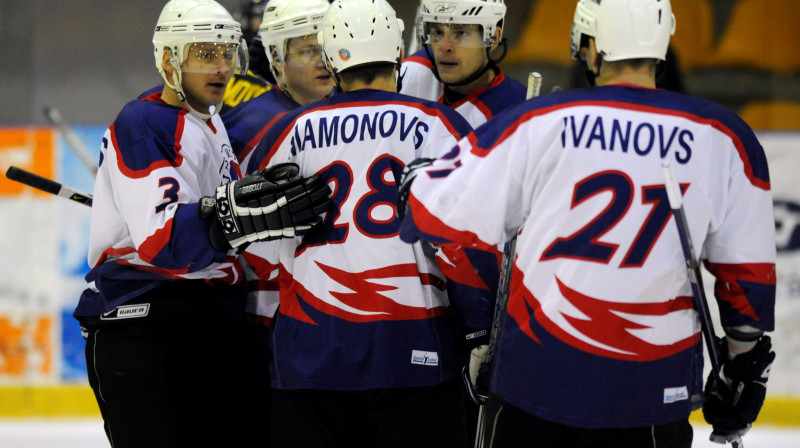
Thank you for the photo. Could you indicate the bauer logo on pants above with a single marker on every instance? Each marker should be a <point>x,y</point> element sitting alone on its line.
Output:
<point>127,312</point>
<point>424,358</point>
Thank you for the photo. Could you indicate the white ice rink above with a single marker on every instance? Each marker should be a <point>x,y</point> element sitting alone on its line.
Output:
<point>89,434</point>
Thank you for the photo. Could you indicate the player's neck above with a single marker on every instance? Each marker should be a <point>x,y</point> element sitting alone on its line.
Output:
<point>642,78</point>
<point>170,96</point>
<point>387,84</point>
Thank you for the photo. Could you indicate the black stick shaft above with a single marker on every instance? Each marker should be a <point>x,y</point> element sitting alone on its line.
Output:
<point>47,185</point>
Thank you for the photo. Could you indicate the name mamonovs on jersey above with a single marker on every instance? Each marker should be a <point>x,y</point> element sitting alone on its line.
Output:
<point>367,126</point>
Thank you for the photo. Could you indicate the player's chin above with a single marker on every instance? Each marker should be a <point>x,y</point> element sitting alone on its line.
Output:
<point>451,69</point>
<point>450,77</point>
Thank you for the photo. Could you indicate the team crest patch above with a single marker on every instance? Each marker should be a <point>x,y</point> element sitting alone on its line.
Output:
<point>127,312</point>
<point>424,358</point>
<point>344,54</point>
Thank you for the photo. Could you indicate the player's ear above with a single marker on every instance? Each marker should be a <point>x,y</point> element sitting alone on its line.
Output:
<point>166,61</point>
<point>592,57</point>
<point>498,34</point>
<point>277,63</point>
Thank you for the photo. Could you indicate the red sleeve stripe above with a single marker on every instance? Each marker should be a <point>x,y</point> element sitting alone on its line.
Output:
<point>727,285</point>
<point>431,225</point>
<point>156,242</point>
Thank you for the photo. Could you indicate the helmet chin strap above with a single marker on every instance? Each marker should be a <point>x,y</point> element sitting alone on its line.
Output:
<point>473,77</point>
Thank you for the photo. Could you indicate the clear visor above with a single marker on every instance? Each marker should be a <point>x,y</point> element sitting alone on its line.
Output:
<point>303,51</point>
<point>468,36</point>
<point>212,57</point>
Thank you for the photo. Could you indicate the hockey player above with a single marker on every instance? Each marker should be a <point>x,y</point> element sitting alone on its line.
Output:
<point>456,66</point>
<point>289,32</point>
<point>600,344</point>
<point>162,313</point>
<point>363,340</point>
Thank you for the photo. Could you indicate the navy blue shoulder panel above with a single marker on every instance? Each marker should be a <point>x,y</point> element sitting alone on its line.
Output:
<point>146,132</point>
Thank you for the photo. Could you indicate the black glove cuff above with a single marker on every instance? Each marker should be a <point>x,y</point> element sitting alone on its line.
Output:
<point>207,209</point>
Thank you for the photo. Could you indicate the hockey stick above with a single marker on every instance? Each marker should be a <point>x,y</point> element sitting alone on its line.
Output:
<point>48,185</point>
<point>504,284</point>
<point>675,198</point>
<point>73,141</point>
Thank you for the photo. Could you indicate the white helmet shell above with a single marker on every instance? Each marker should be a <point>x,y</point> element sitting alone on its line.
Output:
<point>624,29</point>
<point>358,32</point>
<point>183,22</point>
<point>486,13</point>
<point>287,19</point>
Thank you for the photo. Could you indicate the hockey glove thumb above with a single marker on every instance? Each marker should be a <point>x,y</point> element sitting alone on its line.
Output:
<point>732,407</point>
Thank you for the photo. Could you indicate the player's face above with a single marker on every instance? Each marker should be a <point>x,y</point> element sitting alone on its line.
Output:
<point>206,71</point>
<point>459,50</point>
<point>304,73</point>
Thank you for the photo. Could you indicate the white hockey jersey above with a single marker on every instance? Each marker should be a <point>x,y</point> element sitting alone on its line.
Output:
<point>156,161</point>
<point>359,309</point>
<point>600,329</point>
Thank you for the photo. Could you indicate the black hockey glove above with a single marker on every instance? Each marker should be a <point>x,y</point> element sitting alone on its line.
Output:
<point>269,204</point>
<point>475,373</point>
<point>733,406</point>
<point>406,179</point>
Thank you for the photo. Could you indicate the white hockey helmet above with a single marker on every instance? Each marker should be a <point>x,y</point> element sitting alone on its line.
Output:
<point>186,22</point>
<point>287,19</point>
<point>486,13</point>
<point>624,29</point>
<point>358,32</point>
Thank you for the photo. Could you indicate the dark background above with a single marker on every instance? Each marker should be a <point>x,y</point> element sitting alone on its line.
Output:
<point>88,58</point>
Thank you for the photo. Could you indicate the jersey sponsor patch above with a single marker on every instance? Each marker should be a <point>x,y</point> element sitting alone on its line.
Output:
<point>675,394</point>
<point>424,358</point>
<point>127,312</point>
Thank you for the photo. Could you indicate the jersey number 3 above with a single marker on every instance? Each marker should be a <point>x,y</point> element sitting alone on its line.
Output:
<point>585,244</point>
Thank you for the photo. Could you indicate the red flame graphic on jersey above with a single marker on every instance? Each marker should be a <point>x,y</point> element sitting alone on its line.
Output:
<point>609,332</point>
<point>366,296</point>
